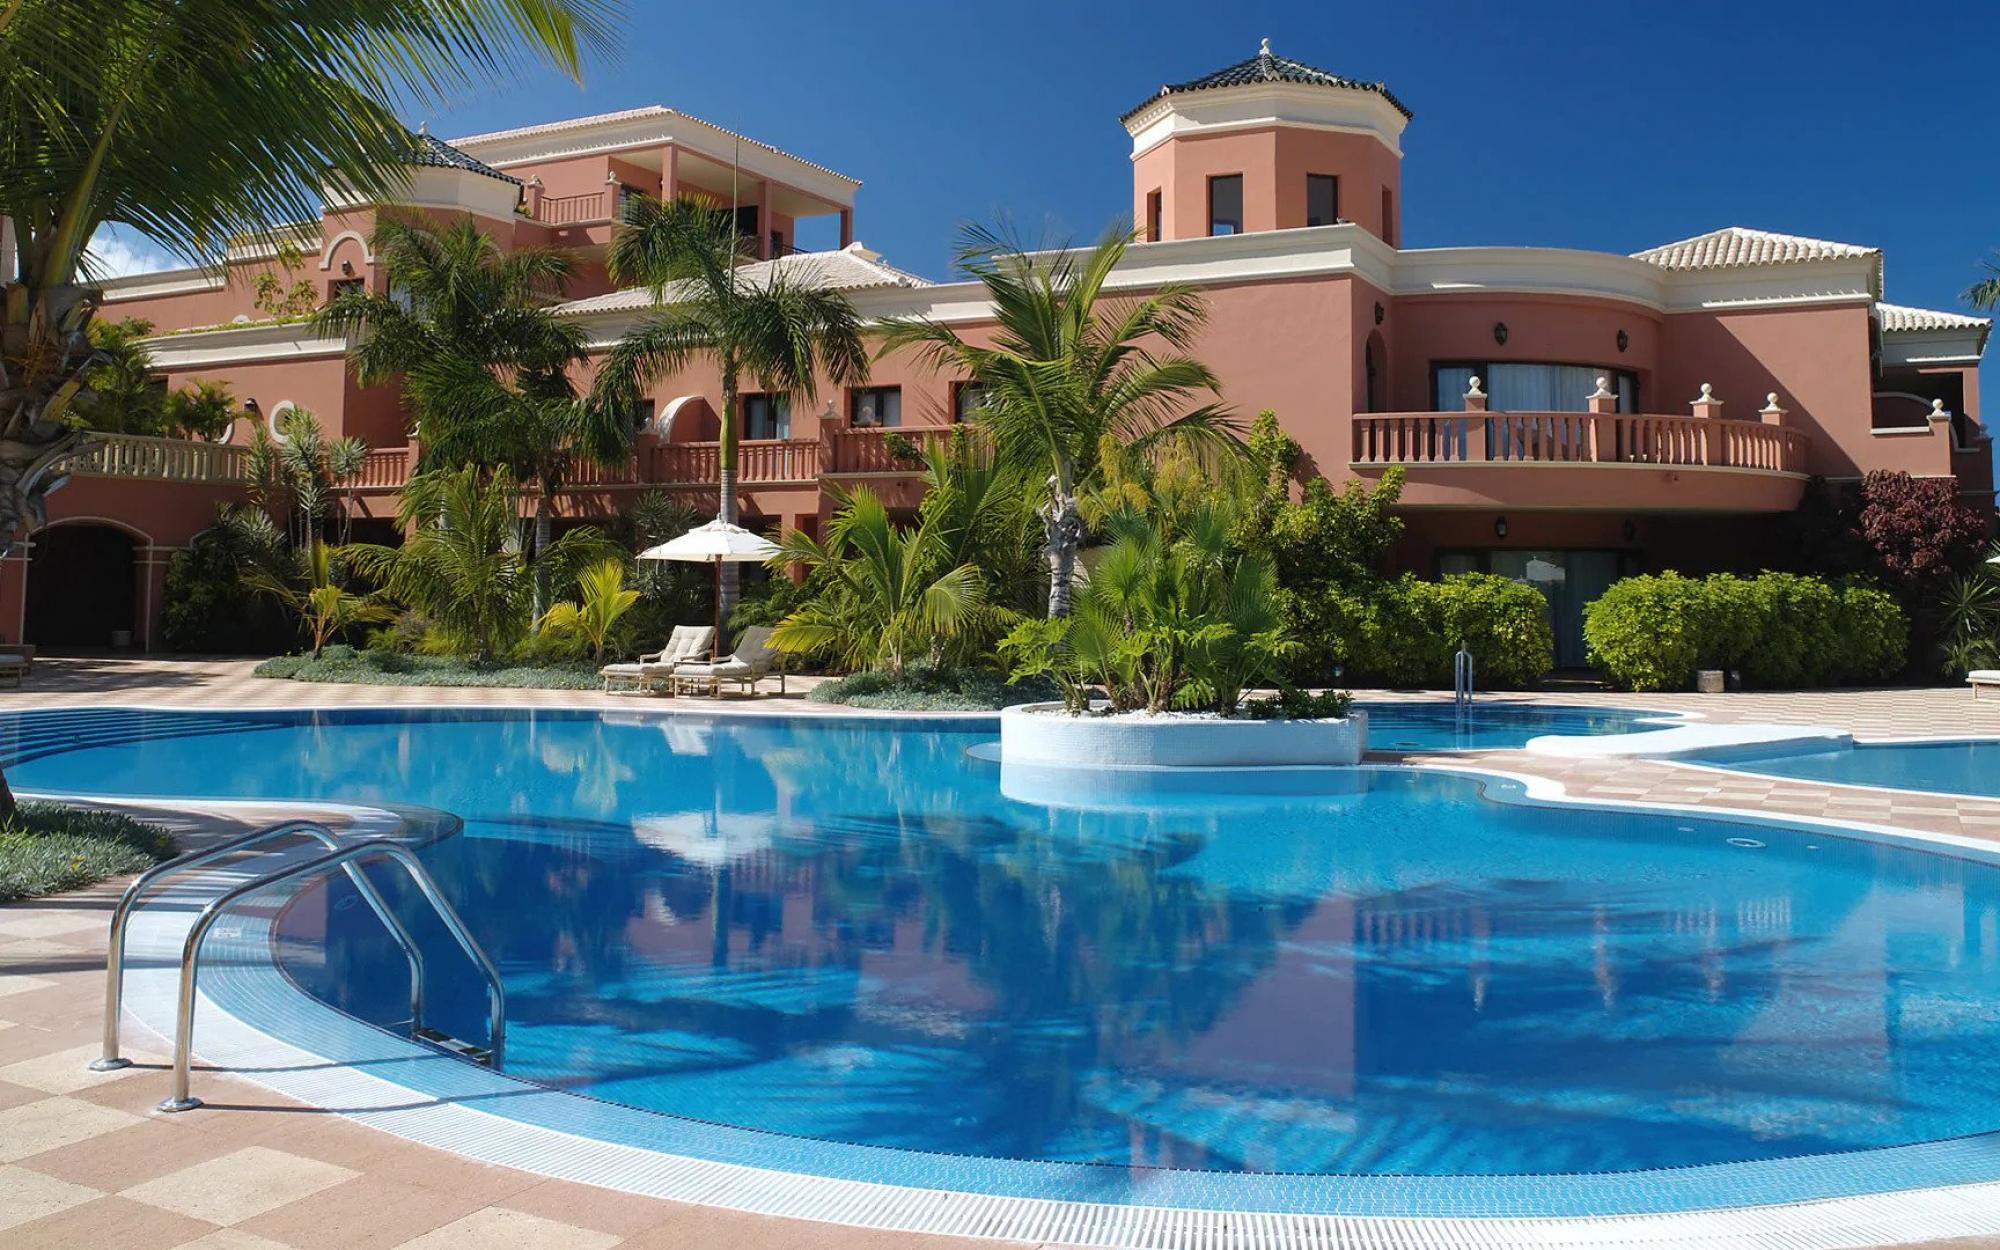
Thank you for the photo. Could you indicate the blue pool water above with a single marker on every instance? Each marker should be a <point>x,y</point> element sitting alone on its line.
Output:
<point>1494,724</point>
<point>1968,766</point>
<point>844,932</point>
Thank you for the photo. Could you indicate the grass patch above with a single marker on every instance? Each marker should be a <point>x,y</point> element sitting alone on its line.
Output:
<point>50,848</point>
<point>346,665</point>
<point>933,690</point>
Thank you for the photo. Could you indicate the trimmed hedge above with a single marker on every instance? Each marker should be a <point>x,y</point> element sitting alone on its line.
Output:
<point>933,690</point>
<point>1779,629</point>
<point>1404,632</point>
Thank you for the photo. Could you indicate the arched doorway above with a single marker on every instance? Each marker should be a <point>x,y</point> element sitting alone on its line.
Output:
<point>1377,365</point>
<point>81,586</point>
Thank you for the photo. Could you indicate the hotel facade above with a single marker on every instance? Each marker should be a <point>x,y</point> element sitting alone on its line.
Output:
<point>1565,417</point>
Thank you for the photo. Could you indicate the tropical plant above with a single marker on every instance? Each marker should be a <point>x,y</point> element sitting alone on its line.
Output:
<point>318,595</point>
<point>203,410</point>
<point>1984,295</point>
<point>1067,366</point>
<point>272,297</point>
<point>1918,528</point>
<point>1969,606</point>
<point>602,602</point>
<point>1162,622</point>
<point>783,334</point>
<point>462,565</point>
<point>887,595</point>
<point>204,608</point>
<point>195,121</point>
<point>299,475</point>
<point>484,360</point>
<point>122,396</point>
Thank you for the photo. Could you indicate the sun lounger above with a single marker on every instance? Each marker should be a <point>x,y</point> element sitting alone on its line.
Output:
<point>752,660</point>
<point>687,642</point>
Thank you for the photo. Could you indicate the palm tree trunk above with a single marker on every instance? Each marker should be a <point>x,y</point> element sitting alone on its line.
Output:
<point>1062,530</point>
<point>542,540</point>
<point>729,581</point>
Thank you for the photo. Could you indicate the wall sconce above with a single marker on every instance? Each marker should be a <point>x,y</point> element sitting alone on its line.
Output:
<point>1500,527</point>
<point>250,406</point>
<point>1379,312</point>
<point>1631,529</point>
<point>347,268</point>
<point>1500,333</point>
<point>1624,340</point>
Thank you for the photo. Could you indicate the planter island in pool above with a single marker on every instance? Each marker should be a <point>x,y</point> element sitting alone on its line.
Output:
<point>1047,735</point>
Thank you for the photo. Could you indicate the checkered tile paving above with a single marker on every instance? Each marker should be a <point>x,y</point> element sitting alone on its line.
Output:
<point>86,1163</point>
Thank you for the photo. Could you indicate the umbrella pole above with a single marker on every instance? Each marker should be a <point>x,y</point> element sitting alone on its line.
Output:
<point>715,644</point>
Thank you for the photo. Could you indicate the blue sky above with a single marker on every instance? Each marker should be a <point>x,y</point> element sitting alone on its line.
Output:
<point>1609,125</point>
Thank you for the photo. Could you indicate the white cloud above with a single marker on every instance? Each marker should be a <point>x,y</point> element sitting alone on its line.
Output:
<point>118,253</point>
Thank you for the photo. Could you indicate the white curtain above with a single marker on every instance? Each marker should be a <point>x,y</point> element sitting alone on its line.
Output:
<point>1541,388</point>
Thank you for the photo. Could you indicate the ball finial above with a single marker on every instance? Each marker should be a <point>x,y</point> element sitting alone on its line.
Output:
<point>1264,48</point>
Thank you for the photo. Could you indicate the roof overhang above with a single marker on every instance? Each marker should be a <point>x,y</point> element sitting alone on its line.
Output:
<point>1310,106</point>
<point>1958,345</point>
<point>656,127</point>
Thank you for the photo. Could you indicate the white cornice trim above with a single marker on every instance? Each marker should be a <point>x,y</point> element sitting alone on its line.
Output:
<point>1223,109</point>
<point>1934,347</point>
<point>162,283</point>
<point>249,344</point>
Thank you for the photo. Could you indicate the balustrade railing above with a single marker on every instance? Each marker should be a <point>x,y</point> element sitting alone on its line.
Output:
<point>163,459</point>
<point>757,460</point>
<point>877,449</point>
<point>565,210</point>
<point>1422,438</point>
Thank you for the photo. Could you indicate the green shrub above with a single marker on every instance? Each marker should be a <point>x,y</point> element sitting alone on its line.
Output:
<point>47,849</point>
<point>1779,629</point>
<point>923,689</point>
<point>1404,631</point>
<point>1292,703</point>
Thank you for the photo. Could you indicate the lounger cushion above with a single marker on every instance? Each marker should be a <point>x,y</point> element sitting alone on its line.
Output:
<point>1984,676</point>
<point>621,670</point>
<point>726,668</point>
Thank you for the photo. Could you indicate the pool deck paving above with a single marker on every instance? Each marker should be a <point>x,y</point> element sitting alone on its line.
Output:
<point>86,1161</point>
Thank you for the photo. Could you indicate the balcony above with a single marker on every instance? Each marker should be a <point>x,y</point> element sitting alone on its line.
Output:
<point>1600,460</point>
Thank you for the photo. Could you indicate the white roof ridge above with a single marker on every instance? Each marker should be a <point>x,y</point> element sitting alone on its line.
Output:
<point>852,268</point>
<point>634,114</point>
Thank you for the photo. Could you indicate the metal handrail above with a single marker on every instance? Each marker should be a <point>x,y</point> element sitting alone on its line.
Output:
<point>182,1099</point>
<point>121,915</point>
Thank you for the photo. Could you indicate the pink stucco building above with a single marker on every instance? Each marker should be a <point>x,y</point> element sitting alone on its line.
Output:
<point>1562,416</point>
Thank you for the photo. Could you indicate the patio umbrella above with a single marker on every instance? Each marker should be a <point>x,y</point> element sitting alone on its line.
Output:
<point>717,543</point>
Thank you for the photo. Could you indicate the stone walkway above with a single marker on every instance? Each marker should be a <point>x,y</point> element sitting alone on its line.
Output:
<point>85,1161</point>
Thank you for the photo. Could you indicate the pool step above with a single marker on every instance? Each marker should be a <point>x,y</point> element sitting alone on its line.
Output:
<point>481,1055</point>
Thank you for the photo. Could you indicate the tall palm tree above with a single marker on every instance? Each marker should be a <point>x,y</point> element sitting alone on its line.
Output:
<point>784,334</point>
<point>485,362</point>
<point>193,121</point>
<point>1069,366</point>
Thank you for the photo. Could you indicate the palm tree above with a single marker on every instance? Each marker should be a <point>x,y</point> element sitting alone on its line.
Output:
<point>484,360</point>
<point>462,564</point>
<point>602,600</point>
<point>1984,295</point>
<point>890,595</point>
<point>1070,366</point>
<point>194,121</point>
<point>781,333</point>
<point>323,604</point>
<point>297,473</point>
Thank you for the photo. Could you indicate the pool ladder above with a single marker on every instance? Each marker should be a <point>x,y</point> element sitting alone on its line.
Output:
<point>1461,677</point>
<point>348,858</point>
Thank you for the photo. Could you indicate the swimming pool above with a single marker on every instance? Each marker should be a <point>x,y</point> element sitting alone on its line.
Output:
<point>1962,766</point>
<point>1493,724</point>
<point>833,947</point>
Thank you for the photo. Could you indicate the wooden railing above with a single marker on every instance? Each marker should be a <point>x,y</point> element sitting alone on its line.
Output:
<point>1426,438</point>
<point>566,210</point>
<point>162,459</point>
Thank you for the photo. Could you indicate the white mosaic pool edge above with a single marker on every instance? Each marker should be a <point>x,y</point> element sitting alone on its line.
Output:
<point>225,1041</point>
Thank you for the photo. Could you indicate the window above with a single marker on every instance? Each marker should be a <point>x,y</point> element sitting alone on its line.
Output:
<point>1519,386</point>
<point>875,406</point>
<point>967,398</point>
<point>641,416</point>
<point>1225,204</point>
<point>1322,199</point>
<point>767,416</point>
<point>1153,234</point>
<point>345,286</point>
<point>778,247</point>
<point>1389,217</point>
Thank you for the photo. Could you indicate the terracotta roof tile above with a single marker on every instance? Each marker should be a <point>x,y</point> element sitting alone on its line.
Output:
<point>852,268</point>
<point>1898,317</point>
<point>1736,246</point>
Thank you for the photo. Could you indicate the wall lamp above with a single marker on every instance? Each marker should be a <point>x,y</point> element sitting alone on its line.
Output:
<point>1380,312</point>
<point>1500,527</point>
<point>347,268</point>
<point>1624,340</point>
<point>1500,332</point>
<point>1631,530</point>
